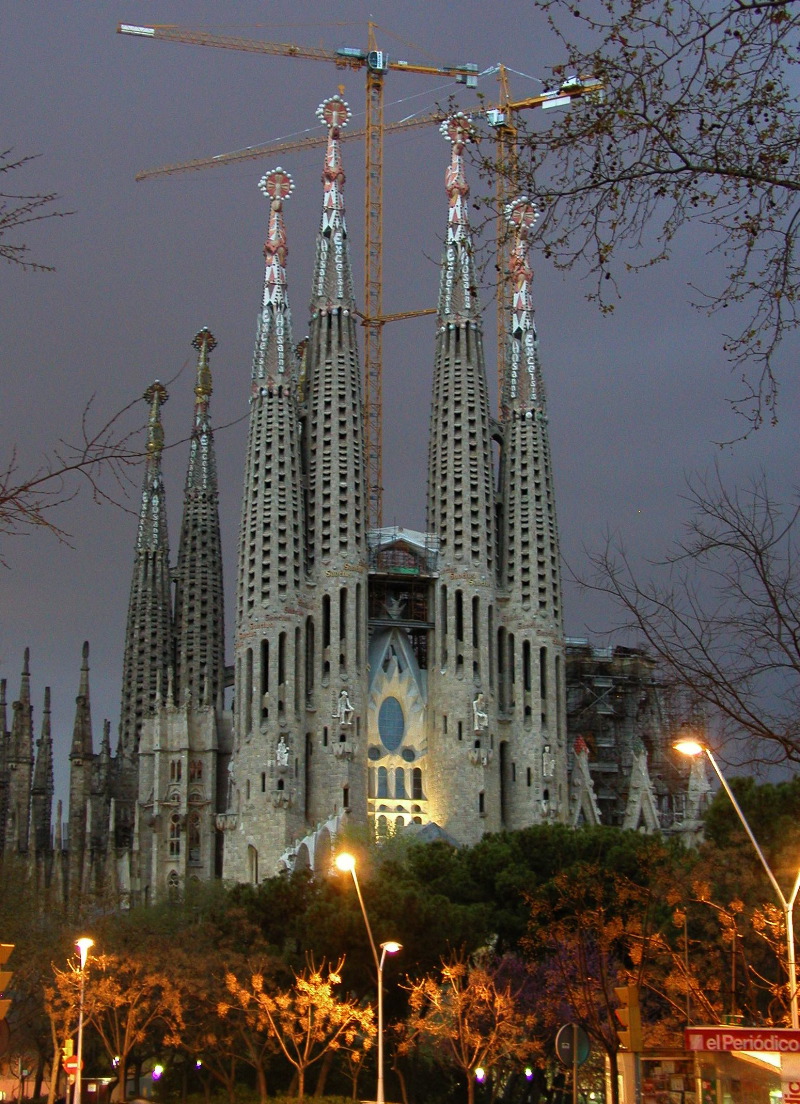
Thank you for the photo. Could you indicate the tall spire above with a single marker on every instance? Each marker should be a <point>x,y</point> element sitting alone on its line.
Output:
<point>271,555</point>
<point>531,682</point>
<point>523,390</point>
<point>458,300</point>
<point>333,278</point>
<point>337,510</point>
<point>199,603</point>
<point>148,637</point>
<point>461,516</point>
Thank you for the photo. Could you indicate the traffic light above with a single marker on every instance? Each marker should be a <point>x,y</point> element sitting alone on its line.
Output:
<point>5,979</point>
<point>629,1016</point>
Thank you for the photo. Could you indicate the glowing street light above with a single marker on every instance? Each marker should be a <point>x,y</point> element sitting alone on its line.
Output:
<point>83,944</point>
<point>693,748</point>
<point>347,862</point>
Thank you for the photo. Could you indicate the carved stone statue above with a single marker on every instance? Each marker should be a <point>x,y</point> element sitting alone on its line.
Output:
<point>282,753</point>
<point>480,718</point>
<point>344,710</point>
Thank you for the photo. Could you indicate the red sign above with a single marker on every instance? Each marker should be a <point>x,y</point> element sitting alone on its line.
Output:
<point>766,1040</point>
<point>70,1064</point>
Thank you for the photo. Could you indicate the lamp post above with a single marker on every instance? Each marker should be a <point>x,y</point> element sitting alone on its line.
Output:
<point>83,946</point>
<point>694,747</point>
<point>346,862</point>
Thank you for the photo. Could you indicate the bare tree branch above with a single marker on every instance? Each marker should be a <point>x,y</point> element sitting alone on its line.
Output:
<point>698,124</point>
<point>18,210</point>
<point>722,615</point>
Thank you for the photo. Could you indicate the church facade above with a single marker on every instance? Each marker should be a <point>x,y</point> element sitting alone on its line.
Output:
<point>380,676</point>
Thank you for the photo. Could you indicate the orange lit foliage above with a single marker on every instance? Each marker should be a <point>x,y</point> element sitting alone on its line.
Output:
<point>307,1020</point>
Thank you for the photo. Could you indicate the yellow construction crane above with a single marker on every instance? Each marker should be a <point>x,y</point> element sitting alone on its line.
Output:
<point>376,64</point>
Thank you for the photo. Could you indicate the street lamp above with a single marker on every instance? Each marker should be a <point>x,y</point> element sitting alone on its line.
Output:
<point>347,862</point>
<point>693,748</point>
<point>83,946</point>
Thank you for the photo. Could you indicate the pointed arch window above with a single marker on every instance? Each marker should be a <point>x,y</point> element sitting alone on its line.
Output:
<point>194,838</point>
<point>175,835</point>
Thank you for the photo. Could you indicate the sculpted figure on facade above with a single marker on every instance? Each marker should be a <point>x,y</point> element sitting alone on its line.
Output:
<point>480,718</point>
<point>344,709</point>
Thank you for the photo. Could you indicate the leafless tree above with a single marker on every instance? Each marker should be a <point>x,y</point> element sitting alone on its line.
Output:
<point>721,614</point>
<point>22,209</point>
<point>100,459</point>
<point>697,126</point>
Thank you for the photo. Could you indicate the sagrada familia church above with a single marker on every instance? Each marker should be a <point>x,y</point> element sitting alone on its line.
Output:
<point>408,681</point>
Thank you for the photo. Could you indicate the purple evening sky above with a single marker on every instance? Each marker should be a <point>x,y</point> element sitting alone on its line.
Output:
<point>636,401</point>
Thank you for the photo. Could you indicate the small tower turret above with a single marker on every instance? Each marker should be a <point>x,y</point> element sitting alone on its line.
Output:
<point>337,517</point>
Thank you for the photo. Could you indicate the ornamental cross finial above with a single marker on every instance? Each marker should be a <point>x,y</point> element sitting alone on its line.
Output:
<point>335,114</point>
<point>155,395</point>
<point>458,130</point>
<point>277,185</point>
<point>521,215</point>
<point>523,390</point>
<point>204,342</point>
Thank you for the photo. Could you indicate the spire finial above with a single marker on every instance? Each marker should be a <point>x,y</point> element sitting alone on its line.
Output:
<point>521,215</point>
<point>523,387</point>
<point>335,114</point>
<point>459,131</point>
<point>204,342</point>
<point>277,186</point>
<point>155,395</point>
<point>458,299</point>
